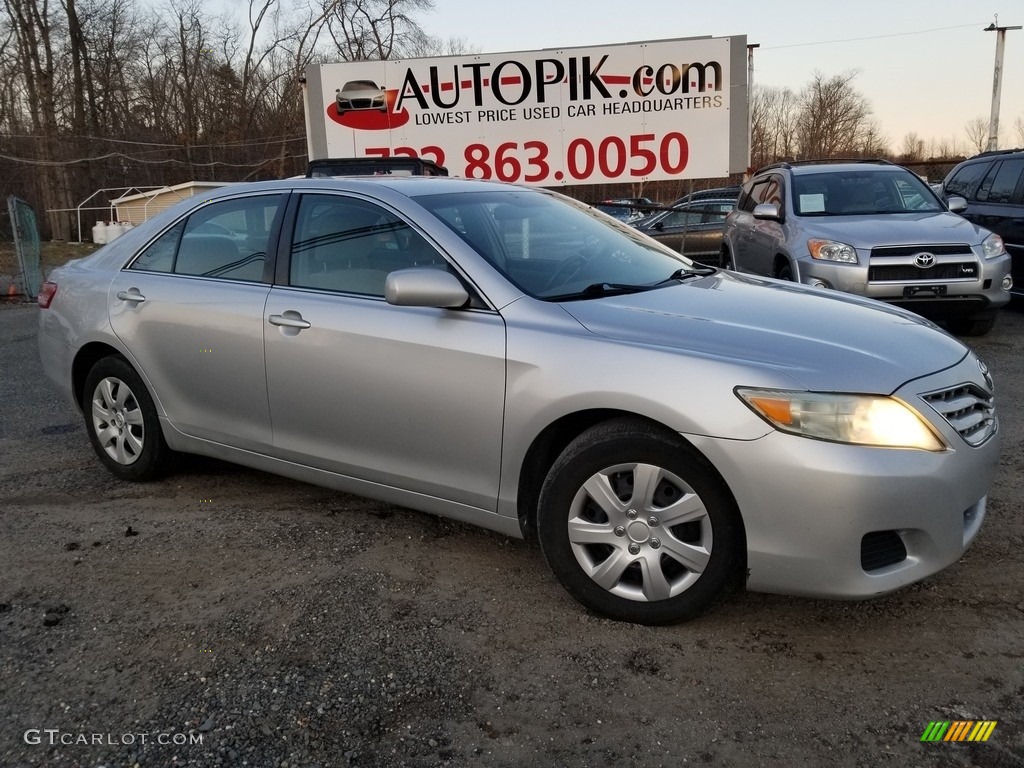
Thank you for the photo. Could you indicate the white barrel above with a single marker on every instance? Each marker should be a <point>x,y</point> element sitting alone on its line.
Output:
<point>99,233</point>
<point>114,230</point>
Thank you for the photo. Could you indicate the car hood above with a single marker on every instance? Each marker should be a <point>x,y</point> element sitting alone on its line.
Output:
<point>827,341</point>
<point>895,229</point>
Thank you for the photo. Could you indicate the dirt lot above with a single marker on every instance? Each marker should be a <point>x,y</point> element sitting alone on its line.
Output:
<point>284,625</point>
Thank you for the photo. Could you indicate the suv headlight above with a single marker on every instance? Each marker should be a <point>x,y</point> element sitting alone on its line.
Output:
<point>830,250</point>
<point>842,418</point>
<point>993,246</point>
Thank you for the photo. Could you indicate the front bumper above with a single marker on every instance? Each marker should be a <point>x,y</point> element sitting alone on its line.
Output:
<point>923,294</point>
<point>807,505</point>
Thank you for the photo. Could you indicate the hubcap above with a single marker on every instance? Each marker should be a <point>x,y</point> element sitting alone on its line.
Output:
<point>610,531</point>
<point>117,420</point>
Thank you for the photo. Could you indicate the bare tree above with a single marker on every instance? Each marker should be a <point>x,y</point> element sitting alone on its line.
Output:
<point>977,133</point>
<point>774,121</point>
<point>835,119</point>
<point>1018,127</point>
<point>35,30</point>
<point>913,148</point>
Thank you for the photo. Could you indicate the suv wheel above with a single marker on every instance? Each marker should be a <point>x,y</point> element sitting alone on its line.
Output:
<point>975,325</point>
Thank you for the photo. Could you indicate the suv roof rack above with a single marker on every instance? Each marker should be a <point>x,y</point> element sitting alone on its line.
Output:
<point>991,152</point>
<point>825,161</point>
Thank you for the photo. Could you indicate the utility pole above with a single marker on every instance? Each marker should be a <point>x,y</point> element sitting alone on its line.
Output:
<point>997,82</point>
<point>750,107</point>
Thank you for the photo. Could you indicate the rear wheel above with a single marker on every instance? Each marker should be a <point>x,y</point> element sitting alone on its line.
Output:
<point>122,422</point>
<point>638,526</point>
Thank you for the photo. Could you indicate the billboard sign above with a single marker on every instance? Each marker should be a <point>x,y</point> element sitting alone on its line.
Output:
<point>656,110</point>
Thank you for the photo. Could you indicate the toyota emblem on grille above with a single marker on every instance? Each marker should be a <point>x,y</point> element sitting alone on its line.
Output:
<point>986,374</point>
<point>925,260</point>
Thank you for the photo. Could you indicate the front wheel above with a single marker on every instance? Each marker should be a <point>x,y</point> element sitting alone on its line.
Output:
<point>638,526</point>
<point>122,422</point>
<point>976,325</point>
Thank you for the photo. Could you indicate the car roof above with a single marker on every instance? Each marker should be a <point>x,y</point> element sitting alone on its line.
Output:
<point>410,185</point>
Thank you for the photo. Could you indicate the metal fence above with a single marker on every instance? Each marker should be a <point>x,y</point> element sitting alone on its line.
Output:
<point>20,270</point>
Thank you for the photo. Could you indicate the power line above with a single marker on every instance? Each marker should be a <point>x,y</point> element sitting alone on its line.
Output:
<point>240,143</point>
<point>870,37</point>
<point>173,161</point>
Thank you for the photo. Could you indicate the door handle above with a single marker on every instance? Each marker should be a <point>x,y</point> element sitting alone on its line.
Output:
<point>132,294</point>
<point>289,319</point>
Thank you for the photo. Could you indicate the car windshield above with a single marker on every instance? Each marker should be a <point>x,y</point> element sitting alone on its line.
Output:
<point>858,193</point>
<point>555,248</point>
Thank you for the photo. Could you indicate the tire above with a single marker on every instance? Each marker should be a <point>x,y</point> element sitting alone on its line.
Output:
<point>122,422</point>
<point>627,561</point>
<point>976,325</point>
<point>727,259</point>
<point>784,271</point>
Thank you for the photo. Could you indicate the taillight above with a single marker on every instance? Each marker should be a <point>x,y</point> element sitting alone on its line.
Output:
<point>46,294</point>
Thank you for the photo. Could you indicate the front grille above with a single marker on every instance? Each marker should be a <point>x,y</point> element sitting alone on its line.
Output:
<point>905,273</point>
<point>952,249</point>
<point>967,408</point>
<point>880,549</point>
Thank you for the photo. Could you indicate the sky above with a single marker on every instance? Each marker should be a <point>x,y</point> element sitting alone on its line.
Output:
<point>925,66</point>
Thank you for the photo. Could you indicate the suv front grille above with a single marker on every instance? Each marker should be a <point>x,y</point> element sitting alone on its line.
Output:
<point>904,273</point>
<point>968,409</point>
<point>951,249</point>
<point>895,263</point>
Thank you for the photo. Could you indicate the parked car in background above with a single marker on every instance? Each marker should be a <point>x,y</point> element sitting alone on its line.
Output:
<point>511,358</point>
<point>874,229</point>
<point>992,183</point>
<point>627,209</point>
<point>717,193</point>
<point>694,229</point>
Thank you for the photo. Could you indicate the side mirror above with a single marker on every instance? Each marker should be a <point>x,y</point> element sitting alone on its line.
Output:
<point>956,204</point>
<point>659,226</point>
<point>424,287</point>
<point>769,211</point>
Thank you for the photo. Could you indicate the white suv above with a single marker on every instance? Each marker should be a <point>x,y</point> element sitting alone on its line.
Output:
<point>874,229</point>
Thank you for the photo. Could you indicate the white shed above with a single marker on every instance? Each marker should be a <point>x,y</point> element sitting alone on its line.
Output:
<point>139,207</point>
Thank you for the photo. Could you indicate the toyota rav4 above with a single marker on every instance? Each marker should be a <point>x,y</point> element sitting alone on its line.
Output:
<point>874,229</point>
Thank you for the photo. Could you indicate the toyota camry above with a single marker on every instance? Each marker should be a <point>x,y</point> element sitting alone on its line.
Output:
<point>666,431</point>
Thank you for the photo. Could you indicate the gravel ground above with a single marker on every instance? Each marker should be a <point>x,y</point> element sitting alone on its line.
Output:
<point>227,617</point>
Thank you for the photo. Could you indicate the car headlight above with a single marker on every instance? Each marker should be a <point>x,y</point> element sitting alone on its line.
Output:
<point>842,418</point>
<point>830,250</point>
<point>993,246</point>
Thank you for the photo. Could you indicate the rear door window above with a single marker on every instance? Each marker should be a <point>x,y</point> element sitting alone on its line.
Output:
<point>227,239</point>
<point>965,182</point>
<point>1004,181</point>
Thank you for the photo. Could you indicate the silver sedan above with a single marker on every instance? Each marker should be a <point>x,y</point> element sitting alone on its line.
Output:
<point>505,356</point>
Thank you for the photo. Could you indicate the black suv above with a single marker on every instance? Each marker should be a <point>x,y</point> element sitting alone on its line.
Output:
<point>992,183</point>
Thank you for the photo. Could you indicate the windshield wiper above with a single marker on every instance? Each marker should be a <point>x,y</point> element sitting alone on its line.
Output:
<point>602,289</point>
<point>685,273</point>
